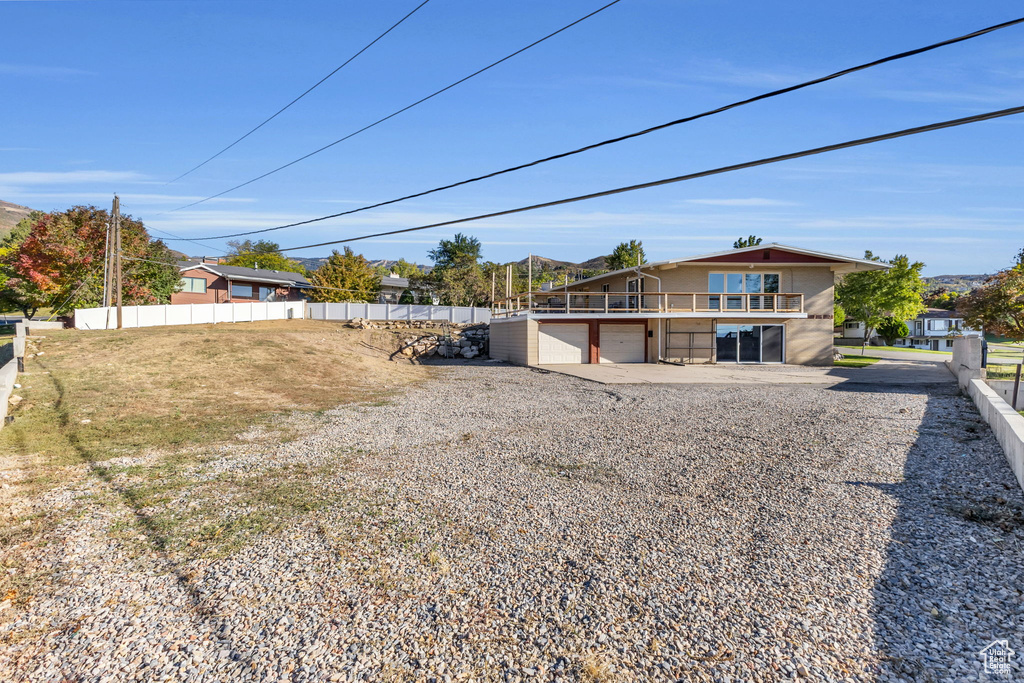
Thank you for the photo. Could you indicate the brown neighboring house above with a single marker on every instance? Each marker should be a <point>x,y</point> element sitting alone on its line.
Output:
<point>770,303</point>
<point>212,283</point>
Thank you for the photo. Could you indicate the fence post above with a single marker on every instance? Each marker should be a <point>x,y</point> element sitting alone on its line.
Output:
<point>387,312</point>
<point>409,314</point>
<point>451,314</point>
<point>473,315</point>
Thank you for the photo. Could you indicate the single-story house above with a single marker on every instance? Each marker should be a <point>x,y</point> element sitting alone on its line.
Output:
<point>770,303</point>
<point>212,283</point>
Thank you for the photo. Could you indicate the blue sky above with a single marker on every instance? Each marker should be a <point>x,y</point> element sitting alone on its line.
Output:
<point>105,97</point>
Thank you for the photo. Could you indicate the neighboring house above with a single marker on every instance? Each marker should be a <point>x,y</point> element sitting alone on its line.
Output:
<point>391,288</point>
<point>936,329</point>
<point>769,303</point>
<point>212,283</point>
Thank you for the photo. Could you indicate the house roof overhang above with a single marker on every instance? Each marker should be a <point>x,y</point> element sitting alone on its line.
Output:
<point>779,254</point>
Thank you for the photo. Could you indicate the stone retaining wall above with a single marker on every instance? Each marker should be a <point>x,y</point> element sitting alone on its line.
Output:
<point>467,341</point>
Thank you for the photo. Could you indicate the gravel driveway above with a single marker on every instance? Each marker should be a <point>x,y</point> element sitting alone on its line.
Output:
<point>501,523</point>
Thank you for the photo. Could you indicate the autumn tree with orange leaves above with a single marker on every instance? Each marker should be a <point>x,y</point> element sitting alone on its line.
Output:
<point>59,263</point>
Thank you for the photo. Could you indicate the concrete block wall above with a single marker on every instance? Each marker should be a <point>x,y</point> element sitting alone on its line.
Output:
<point>9,371</point>
<point>1006,423</point>
<point>514,340</point>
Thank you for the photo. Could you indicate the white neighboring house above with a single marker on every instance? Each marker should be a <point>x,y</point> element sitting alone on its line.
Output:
<point>933,330</point>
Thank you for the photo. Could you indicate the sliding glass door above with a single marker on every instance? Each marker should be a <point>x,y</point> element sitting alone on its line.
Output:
<point>749,343</point>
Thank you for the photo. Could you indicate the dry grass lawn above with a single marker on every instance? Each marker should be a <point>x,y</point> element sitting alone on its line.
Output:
<point>139,412</point>
<point>95,395</point>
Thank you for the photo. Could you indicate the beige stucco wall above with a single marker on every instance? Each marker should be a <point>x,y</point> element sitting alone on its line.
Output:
<point>808,341</point>
<point>514,340</point>
<point>815,282</point>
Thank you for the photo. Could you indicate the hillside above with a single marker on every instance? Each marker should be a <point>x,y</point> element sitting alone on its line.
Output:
<point>596,263</point>
<point>958,283</point>
<point>10,215</point>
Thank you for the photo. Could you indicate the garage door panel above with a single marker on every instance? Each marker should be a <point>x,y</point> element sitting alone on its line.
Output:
<point>559,344</point>
<point>623,344</point>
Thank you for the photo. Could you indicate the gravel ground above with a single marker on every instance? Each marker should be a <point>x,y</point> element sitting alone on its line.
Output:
<point>501,523</point>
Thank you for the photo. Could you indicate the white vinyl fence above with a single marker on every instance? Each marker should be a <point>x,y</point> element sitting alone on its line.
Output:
<point>187,314</point>
<point>453,314</point>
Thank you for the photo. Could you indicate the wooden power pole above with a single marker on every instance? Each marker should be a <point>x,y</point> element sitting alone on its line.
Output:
<point>117,258</point>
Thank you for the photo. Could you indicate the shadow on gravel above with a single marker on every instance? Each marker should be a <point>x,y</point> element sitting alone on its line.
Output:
<point>146,524</point>
<point>954,566</point>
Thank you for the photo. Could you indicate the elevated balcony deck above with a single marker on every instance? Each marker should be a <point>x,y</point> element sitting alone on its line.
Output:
<point>647,304</point>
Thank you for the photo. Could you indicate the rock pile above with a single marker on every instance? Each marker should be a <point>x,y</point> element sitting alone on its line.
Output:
<point>468,342</point>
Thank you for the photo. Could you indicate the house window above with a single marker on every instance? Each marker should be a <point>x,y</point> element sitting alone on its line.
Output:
<point>241,291</point>
<point>937,325</point>
<point>193,285</point>
<point>949,343</point>
<point>606,288</point>
<point>266,293</point>
<point>742,283</point>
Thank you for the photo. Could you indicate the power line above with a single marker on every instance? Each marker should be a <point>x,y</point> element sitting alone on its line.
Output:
<point>687,119</point>
<point>691,176</point>
<point>403,109</point>
<point>309,90</point>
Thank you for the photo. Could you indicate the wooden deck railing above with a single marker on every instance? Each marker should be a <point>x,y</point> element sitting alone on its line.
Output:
<point>584,303</point>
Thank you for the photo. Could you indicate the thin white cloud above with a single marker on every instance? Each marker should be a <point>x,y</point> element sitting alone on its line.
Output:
<point>37,71</point>
<point>68,177</point>
<point>154,199</point>
<point>747,201</point>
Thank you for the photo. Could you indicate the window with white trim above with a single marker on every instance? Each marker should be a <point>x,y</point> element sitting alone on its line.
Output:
<point>193,285</point>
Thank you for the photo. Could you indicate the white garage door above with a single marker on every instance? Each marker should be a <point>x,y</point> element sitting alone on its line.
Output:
<point>623,344</point>
<point>557,344</point>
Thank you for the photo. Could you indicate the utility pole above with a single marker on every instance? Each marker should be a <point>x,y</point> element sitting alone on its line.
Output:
<point>529,271</point>
<point>493,274</point>
<point>117,258</point>
<point>107,270</point>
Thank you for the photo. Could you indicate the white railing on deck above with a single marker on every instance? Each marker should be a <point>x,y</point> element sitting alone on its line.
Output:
<point>647,302</point>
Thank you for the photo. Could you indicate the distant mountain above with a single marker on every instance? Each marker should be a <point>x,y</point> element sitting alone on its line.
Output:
<point>11,215</point>
<point>596,263</point>
<point>956,282</point>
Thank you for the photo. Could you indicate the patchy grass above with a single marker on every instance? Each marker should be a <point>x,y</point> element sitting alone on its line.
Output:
<point>163,401</point>
<point>894,348</point>
<point>1000,371</point>
<point>95,395</point>
<point>855,361</point>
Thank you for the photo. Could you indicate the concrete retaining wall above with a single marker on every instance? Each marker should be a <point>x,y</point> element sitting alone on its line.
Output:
<point>1006,423</point>
<point>9,371</point>
<point>1004,388</point>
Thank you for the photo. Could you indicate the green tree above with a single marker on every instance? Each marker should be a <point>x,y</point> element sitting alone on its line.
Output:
<point>870,295</point>
<point>345,277</point>
<point>891,329</point>
<point>838,315</point>
<point>627,255</point>
<point>743,242</point>
<point>59,264</point>
<point>457,276</point>
<point>262,254</point>
<point>998,305</point>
